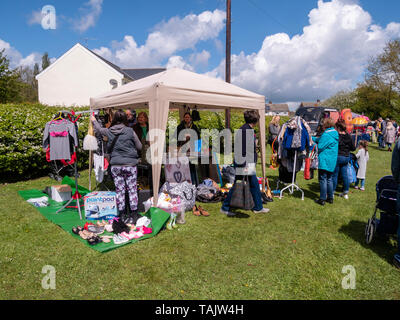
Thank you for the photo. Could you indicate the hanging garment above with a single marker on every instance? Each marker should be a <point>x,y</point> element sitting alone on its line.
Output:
<point>57,135</point>
<point>98,162</point>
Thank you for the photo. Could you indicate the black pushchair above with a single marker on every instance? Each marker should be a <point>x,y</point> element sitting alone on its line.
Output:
<point>386,203</point>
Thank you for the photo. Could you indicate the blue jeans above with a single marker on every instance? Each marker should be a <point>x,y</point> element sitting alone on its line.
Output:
<point>361,182</point>
<point>255,192</point>
<point>325,184</point>
<point>381,141</point>
<point>341,168</point>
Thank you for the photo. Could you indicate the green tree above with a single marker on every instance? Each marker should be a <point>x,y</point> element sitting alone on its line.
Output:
<point>342,100</point>
<point>45,61</point>
<point>29,87</point>
<point>375,103</point>
<point>9,81</point>
<point>36,69</point>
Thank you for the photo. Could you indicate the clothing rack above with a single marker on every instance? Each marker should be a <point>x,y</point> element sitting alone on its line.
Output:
<point>74,117</point>
<point>293,185</point>
<point>76,196</point>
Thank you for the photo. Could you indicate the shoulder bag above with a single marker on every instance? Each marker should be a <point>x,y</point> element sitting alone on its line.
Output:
<point>111,148</point>
<point>241,196</point>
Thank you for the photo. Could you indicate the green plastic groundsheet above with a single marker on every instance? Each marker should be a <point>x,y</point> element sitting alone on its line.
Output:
<point>69,217</point>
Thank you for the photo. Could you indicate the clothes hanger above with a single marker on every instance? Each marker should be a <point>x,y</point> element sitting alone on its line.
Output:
<point>58,116</point>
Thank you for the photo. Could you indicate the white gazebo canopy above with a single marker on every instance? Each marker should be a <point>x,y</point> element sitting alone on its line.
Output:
<point>174,87</point>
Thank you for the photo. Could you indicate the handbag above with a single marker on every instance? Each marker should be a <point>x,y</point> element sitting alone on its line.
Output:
<point>186,191</point>
<point>241,195</point>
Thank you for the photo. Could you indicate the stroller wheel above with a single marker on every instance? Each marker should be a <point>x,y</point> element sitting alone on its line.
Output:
<point>370,231</point>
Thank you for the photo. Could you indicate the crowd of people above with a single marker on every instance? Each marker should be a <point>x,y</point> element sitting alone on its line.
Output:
<point>127,136</point>
<point>386,132</point>
<point>127,147</point>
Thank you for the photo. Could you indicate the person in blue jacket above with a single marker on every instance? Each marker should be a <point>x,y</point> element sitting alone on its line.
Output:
<point>328,147</point>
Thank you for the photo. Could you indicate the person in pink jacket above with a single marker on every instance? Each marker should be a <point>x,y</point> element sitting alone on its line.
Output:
<point>390,135</point>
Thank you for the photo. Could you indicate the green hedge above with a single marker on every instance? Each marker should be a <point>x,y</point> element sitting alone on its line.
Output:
<point>21,134</point>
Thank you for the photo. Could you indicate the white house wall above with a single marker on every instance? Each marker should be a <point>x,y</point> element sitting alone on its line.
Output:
<point>78,76</point>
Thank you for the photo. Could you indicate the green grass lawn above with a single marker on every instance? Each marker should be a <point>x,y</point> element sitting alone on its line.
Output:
<point>297,251</point>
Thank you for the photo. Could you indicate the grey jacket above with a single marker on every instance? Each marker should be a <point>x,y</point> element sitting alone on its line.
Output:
<point>125,151</point>
<point>57,134</point>
<point>273,131</point>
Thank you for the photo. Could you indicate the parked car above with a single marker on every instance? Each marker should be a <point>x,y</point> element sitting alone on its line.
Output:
<point>314,116</point>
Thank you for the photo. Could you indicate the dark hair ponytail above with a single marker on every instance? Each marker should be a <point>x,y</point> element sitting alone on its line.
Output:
<point>119,117</point>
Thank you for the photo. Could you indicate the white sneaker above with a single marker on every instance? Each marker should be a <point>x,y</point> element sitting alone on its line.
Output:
<point>344,195</point>
<point>228,213</point>
<point>263,210</point>
<point>362,189</point>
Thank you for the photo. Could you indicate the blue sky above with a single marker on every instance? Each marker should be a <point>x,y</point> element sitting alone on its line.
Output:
<point>294,64</point>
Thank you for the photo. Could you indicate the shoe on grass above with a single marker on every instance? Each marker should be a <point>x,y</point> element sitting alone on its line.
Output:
<point>362,189</point>
<point>228,213</point>
<point>320,202</point>
<point>263,210</point>
<point>344,195</point>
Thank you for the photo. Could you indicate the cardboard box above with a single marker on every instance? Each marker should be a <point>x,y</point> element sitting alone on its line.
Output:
<point>61,193</point>
<point>100,205</point>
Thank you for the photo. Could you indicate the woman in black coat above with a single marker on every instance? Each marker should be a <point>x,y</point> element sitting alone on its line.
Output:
<point>346,145</point>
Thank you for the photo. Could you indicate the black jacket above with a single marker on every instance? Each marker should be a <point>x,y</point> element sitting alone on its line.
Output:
<point>345,145</point>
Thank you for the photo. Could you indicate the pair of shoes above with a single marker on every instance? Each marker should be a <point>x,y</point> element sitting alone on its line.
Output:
<point>172,222</point>
<point>344,195</point>
<point>94,240</point>
<point>263,210</point>
<point>362,189</point>
<point>320,202</point>
<point>106,239</point>
<point>196,211</point>
<point>145,230</point>
<point>228,213</point>
<point>330,201</point>
<point>85,235</point>
<point>109,228</point>
<point>132,235</point>
<point>119,239</point>
<point>77,229</point>
<point>201,211</point>
<point>95,229</point>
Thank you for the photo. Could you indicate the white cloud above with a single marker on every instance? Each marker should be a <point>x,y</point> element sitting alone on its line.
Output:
<point>166,40</point>
<point>178,62</point>
<point>35,17</point>
<point>17,59</point>
<point>89,14</point>
<point>330,55</point>
<point>200,58</point>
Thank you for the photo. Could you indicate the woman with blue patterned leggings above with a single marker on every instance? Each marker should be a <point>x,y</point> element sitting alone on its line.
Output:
<point>123,146</point>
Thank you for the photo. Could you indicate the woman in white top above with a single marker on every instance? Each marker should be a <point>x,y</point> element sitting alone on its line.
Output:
<point>362,159</point>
